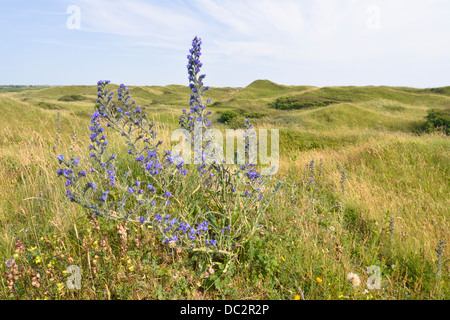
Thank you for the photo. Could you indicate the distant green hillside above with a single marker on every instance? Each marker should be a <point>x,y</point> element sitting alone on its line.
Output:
<point>363,94</point>
<point>265,102</point>
<point>258,92</point>
<point>20,88</point>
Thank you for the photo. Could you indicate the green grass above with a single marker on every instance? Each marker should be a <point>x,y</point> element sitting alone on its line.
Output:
<point>20,88</point>
<point>392,213</point>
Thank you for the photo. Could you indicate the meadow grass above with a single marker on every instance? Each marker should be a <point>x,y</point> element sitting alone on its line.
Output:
<point>389,208</point>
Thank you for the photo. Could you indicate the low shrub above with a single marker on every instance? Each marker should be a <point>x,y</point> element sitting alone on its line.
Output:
<point>301,102</point>
<point>227,116</point>
<point>72,97</point>
<point>437,120</point>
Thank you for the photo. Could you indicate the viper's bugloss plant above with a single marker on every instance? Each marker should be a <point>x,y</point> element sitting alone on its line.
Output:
<point>209,206</point>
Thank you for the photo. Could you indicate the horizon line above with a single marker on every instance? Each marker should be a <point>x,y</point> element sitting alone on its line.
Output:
<point>185,85</point>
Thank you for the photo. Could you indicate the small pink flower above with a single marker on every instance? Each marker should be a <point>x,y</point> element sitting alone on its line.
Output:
<point>10,262</point>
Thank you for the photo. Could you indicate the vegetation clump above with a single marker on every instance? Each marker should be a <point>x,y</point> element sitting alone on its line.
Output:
<point>72,97</point>
<point>301,102</point>
<point>437,120</point>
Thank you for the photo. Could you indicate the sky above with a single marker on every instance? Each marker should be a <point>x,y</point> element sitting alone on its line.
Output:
<point>290,42</point>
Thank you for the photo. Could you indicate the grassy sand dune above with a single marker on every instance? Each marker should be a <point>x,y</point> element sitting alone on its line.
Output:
<point>390,208</point>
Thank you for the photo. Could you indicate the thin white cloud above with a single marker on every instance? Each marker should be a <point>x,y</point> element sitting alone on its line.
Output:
<point>280,29</point>
<point>329,29</point>
<point>288,35</point>
<point>255,18</point>
<point>141,22</point>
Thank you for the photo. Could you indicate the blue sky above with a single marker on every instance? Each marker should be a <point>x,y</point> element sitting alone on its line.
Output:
<point>292,42</point>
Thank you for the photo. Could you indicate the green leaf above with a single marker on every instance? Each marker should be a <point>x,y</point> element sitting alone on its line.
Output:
<point>213,221</point>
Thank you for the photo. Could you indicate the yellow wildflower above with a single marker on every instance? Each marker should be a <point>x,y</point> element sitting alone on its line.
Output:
<point>319,280</point>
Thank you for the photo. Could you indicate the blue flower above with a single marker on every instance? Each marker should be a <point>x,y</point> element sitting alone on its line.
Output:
<point>167,194</point>
<point>104,195</point>
<point>60,158</point>
<point>172,239</point>
<point>92,185</point>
